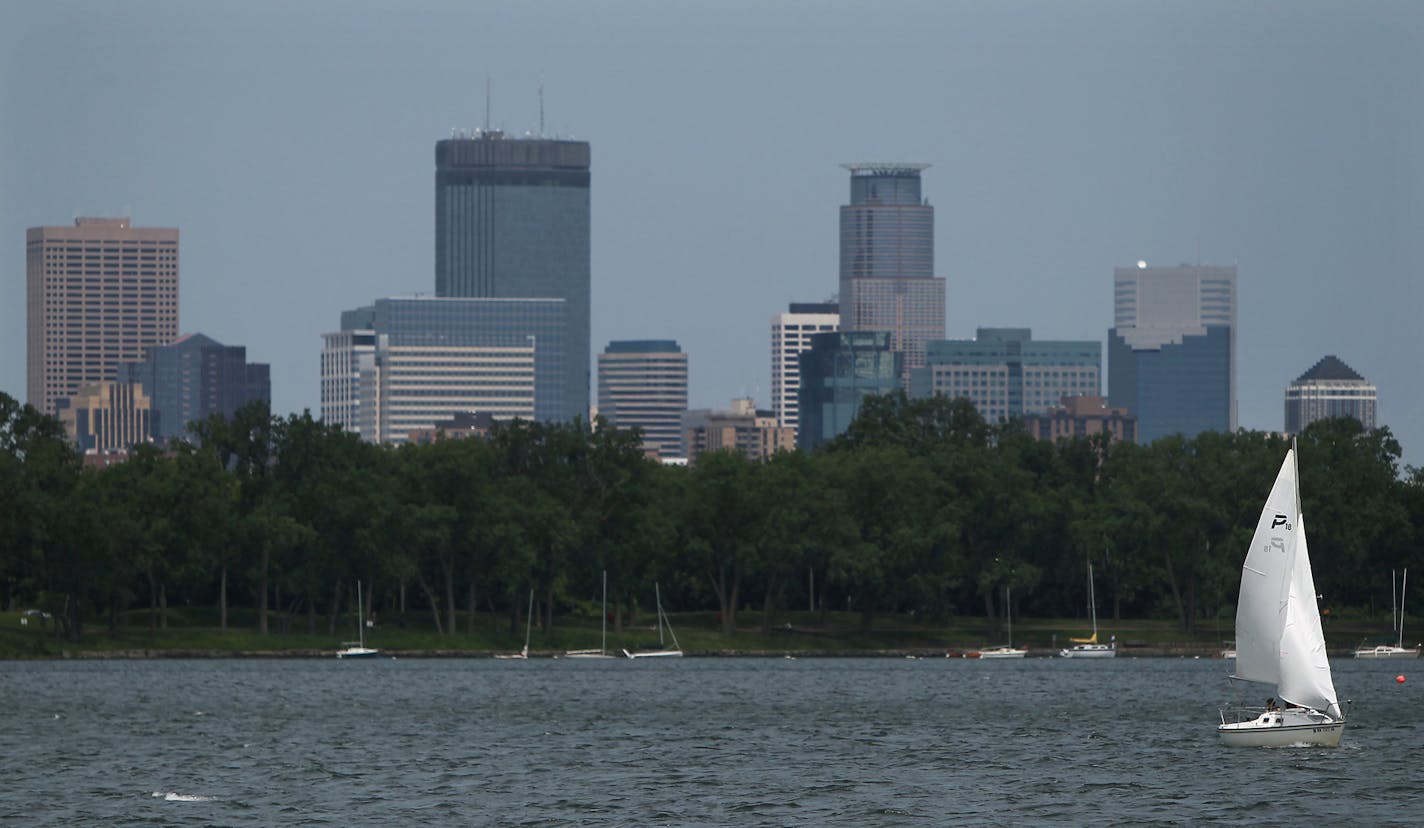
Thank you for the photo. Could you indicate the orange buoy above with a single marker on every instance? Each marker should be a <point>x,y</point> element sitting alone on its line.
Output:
<point>1399,679</point>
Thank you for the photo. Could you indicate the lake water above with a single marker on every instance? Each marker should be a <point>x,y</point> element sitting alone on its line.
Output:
<point>684,742</point>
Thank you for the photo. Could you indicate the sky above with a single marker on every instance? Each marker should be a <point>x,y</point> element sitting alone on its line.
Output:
<point>293,145</point>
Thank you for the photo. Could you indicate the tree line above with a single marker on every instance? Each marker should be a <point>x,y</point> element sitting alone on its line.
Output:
<point>920,507</point>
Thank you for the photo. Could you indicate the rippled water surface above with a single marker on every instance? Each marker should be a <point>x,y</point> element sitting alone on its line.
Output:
<point>682,742</point>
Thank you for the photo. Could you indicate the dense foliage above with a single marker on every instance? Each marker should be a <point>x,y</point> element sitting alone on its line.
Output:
<point>920,507</point>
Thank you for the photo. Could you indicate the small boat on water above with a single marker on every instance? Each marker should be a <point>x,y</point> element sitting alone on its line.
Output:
<point>1397,649</point>
<point>602,651</point>
<point>1089,647</point>
<point>663,651</point>
<point>1006,650</point>
<point>358,648</point>
<point>1279,640</point>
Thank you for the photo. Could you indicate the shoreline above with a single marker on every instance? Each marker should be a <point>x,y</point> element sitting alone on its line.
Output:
<point>911,653</point>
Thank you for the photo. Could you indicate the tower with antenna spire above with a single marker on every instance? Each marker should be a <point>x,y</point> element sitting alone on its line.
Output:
<point>512,221</point>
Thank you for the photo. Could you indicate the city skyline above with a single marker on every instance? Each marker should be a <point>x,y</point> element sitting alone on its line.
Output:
<point>1066,141</point>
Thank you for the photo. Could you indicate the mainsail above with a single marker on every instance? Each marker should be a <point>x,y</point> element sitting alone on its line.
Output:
<point>1265,582</point>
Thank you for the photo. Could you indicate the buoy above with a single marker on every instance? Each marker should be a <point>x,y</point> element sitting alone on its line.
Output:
<point>1399,679</point>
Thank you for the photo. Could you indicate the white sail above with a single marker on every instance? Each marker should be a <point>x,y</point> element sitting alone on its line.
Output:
<point>1305,669</point>
<point>1265,582</point>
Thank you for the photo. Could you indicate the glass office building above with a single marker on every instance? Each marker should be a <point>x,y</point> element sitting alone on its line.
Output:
<point>1179,388</point>
<point>1006,374</point>
<point>512,222</point>
<point>887,280</point>
<point>194,378</point>
<point>420,360</point>
<point>837,372</point>
<point>1172,348</point>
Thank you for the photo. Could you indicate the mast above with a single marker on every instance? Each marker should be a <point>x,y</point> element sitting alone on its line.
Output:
<point>1009,615</point>
<point>658,597</point>
<point>360,619</point>
<point>1092,602</point>
<point>528,622</point>
<point>603,617</point>
<point>1393,602</point>
<point>1402,583</point>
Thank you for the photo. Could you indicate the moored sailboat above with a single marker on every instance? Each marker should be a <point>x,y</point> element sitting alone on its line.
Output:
<point>1007,650</point>
<point>358,648</point>
<point>1397,649</point>
<point>1089,647</point>
<point>663,651</point>
<point>1279,640</point>
<point>602,651</point>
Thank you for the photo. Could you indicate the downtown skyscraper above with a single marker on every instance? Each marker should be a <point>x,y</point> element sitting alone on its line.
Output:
<point>1172,348</point>
<point>1330,389</point>
<point>643,384</point>
<point>791,334</point>
<point>99,293</point>
<point>887,280</point>
<point>512,221</point>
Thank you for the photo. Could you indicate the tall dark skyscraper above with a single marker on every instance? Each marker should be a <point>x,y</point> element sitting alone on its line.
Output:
<point>512,222</point>
<point>887,279</point>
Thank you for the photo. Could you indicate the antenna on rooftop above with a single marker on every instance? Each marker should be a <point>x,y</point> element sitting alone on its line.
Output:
<point>541,109</point>
<point>487,103</point>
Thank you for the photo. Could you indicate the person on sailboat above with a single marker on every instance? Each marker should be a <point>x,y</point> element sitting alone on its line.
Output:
<point>1271,704</point>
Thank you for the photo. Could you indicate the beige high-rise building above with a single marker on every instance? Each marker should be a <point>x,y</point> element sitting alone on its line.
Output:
<point>642,383</point>
<point>97,294</point>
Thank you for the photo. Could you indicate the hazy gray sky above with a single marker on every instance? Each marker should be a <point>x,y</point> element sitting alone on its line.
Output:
<point>293,145</point>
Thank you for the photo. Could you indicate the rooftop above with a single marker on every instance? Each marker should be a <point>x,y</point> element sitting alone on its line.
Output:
<point>1330,368</point>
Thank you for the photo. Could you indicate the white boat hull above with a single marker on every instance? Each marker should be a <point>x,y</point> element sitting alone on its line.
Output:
<point>1284,729</point>
<point>1003,652</point>
<point>357,652</point>
<point>1089,651</point>
<point>1388,652</point>
<point>655,654</point>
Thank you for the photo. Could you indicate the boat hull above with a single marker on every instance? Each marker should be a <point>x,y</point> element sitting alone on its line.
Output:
<point>1292,727</point>
<point>1388,652</point>
<point>655,654</point>
<point>358,652</point>
<point>587,654</point>
<point>1089,651</point>
<point>1003,652</point>
<point>1248,734</point>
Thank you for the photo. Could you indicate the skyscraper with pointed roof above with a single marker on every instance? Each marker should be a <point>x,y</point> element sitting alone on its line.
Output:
<point>1329,389</point>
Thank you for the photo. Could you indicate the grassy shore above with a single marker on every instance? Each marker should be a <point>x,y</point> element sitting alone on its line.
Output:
<point>196,633</point>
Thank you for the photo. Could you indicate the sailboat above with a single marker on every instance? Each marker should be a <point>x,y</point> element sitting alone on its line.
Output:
<point>1089,647</point>
<point>528,623</point>
<point>1006,650</point>
<point>1396,650</point>
<point>1279,640</point>
<point>662,651</point>
<point>602,651</point>
<point>358,649</point>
